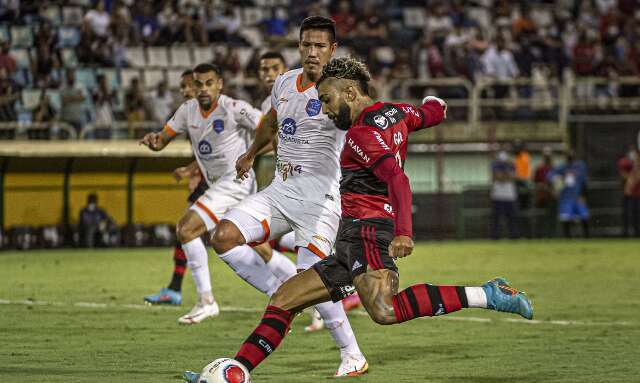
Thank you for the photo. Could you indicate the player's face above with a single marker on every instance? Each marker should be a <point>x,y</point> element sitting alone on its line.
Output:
<point>270,69</point>
<point>186,87</point>
<point>334,104</point>
<point>316,49</point>
<point>207,88</point>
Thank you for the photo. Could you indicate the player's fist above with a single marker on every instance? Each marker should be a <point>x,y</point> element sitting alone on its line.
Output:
<point>151,140</point>
<point>439,100</point>
<point>401,246</point>
<point>244,165</point>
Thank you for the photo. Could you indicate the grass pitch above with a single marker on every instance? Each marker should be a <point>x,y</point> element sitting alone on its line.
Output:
<point>83,320</point>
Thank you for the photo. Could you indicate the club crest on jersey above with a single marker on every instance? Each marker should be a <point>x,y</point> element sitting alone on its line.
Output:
<point>204,148</point>
<point>381,121</point>
<point>218,126</point>
<point>289,126</point>
<point>313,107</point>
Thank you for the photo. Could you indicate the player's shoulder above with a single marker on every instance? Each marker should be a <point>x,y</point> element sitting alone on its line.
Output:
<point>288,79</point>
<point>230,103</point>
<point>383,115</point>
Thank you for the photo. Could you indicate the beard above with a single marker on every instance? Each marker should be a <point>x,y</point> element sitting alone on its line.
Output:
<point>343,120</point>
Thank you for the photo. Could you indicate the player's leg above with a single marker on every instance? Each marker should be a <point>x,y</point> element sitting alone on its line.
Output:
<point>172,294</point>
<point>281,266</point>
<point>189,231</point>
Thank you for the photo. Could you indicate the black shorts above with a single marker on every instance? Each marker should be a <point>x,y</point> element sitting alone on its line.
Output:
<point>198,192</point>
<point>362,245</point>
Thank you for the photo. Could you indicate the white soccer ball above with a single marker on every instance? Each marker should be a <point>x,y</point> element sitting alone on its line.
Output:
<point>225,370</point>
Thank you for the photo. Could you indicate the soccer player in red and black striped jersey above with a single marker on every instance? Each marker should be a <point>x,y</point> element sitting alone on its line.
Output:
<point>376,227</point>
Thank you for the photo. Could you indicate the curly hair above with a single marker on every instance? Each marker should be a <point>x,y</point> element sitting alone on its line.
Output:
<point>349,69</point>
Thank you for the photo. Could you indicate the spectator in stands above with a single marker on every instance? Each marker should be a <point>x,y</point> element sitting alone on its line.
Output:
<point>7,61</point>
<point>544,198</point>
<point>94,224</point>
<point>503,195</point>
<point>98,19</point>
<point>46,67</point>
<point>523,173</point>
<point>223,25</point>
<point>629,170</point>
<point>9,94</point>
<point>276,26</point>
<point>371,32</point>
<point>74,102</point>
<point>345,21</point>
<point>147,25</point>
<point>189,21</point>
<point>498,63</point>
<point>569,181</point>
<point>135,104</point>
<point>43,113</point>
<point>162,103</point>
<point>103,99</point>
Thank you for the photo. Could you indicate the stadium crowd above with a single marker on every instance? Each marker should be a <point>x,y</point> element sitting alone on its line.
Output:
<point>103,61</point>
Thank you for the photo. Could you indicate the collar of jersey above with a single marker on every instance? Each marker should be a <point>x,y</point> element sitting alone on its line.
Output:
<point>208,112</point>
<point>299,84</point>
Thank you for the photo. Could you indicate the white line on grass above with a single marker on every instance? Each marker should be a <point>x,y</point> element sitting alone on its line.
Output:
<point>232,309</point>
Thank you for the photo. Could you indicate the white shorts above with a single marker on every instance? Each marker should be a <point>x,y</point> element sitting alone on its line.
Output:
<point>271,213</point>
<point>225,193</point>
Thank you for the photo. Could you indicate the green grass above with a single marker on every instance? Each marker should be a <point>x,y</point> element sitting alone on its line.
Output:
<point>595,283</point>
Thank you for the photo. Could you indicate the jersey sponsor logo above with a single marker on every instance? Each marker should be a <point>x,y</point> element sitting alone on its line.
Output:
<point>287,169</point>
<point>321,239</point>
<point>265,346</point>
<point>409,109</point>
<point>390,115</point>
<point>358,151</point>
<point>388,208</point>
<point>218,126</point>
<point>313,107</point>
<point>381,121</point>
<point>397,138</point>
<point>289,126</point>
<point>381,140</point>
<point>204,148</point>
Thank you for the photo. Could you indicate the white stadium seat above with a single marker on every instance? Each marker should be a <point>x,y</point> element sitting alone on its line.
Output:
<point>181,57</point>
<point>21,36</point>
<point>203,55</point>
<point>157,57</point>
<point>30,98</point>
<point>173,78</point>
<point>152,77</point>
<point>126,75</point>
<point>135,56</point>
<point>21,56</point>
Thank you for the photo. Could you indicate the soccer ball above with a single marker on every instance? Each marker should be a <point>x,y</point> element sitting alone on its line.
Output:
<point>225,370</point>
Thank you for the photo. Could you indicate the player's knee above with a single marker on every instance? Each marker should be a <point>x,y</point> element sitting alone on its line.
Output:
<point>185,232</point>
<point>382,314</point>
<point>226,237</point>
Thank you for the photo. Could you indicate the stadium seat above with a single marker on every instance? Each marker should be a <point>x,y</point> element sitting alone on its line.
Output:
<point>253,35</point>
<point>203,55</point>
<point>4,33</point>
<point>118,107</point>
<point>173,78</point>
<point>55,98</point>
<point>112,77</point>
<point>69,37</point>
<point>251,16</point>
<point>181,57</point>
<point>23,77</point>
<point>22,58</point>
<point>69,58</point>
<point>126,75</point>
<point>72,15</point>
<point>30,98</point>
<point>244,55</point>
<point>52,13</point>
<point>86,77</point>
<point>157,57</point>
<point>291,56</point>
<point>152,77</point>
<point>21,36</point>
<point>135,56</point>
<point>341,52</point>
<point>414,17</point>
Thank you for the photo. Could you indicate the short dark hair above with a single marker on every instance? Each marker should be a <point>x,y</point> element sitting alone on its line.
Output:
<point>347,68</point>
<point>187,72</point>
<point>92,198</point>
<point>273,55</point>
<point>207,67</point>
<point>319,22</point>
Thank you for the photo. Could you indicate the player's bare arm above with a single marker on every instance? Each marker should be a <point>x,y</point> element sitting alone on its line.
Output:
<point>156,141</point>
<point>267,129</point>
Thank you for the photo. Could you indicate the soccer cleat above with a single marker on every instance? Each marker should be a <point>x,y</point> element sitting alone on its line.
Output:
<point>200,312</point>
<point>351,302</point>
<point>190,376</point>
<point>352,365</point>
<point>504,298</point>
<point>317,323</point>
<point>165,297</point>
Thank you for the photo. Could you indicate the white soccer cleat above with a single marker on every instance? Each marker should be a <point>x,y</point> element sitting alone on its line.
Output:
<point>200,312</point>
<point>317,323</point>
<point>352,365</point>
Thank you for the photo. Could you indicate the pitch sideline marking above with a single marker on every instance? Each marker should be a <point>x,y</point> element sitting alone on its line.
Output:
<point>255,310</point>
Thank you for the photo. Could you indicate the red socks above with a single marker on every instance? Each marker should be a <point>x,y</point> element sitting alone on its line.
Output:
<point>428,300</point>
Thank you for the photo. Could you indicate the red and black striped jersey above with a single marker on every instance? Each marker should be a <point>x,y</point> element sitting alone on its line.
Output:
<point>379,132</point>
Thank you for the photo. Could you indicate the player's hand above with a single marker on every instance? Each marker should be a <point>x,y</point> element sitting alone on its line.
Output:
<point>152,141</point>
<point>244,165</point>
<point>194,181</point>
<point>438,99</point>
<point>186,172</point>
<point>401,246</point>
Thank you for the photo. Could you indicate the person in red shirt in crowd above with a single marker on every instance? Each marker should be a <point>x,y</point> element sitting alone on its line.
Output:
<point>629,170</point>
<point>543,193</point>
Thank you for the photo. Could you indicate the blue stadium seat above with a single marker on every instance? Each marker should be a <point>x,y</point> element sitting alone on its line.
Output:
<point>69,37</point>
<point>112,77</point>
<point>22,57</point>
<point>23,77</point>
<point>86,77</point>
<point>55,99</point>
<point>4,33</point>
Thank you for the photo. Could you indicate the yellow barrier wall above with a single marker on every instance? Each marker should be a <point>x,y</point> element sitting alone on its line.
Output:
<point>33,198</point>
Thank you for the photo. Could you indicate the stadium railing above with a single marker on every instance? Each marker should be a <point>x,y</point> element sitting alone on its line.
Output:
<point>49,130</point>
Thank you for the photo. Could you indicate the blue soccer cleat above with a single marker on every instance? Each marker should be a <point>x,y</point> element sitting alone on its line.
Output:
<point>190,376</point>
<point>504,298</point>
<point>165,297</point>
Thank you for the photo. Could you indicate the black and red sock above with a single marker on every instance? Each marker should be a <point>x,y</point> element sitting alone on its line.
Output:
<point>179,267</point>
<point>428,300</point>
<point>265,338</point>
